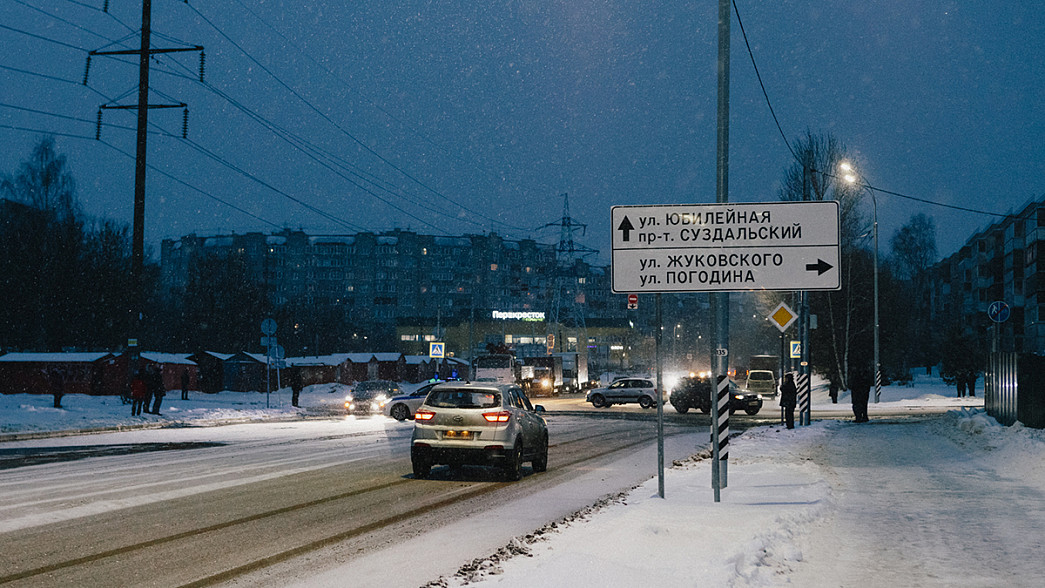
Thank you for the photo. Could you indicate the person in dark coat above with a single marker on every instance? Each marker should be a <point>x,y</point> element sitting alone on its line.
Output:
<point>833,391</point>
<point>154,388</point>
<point>860,391</point>
<point>184,384</point>
<point>294,375</point>
<point>137,393</point>
<point>56,377</point>
<point>789,399</point>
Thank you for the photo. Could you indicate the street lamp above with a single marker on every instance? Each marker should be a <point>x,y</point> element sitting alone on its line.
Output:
<point>851,178</point>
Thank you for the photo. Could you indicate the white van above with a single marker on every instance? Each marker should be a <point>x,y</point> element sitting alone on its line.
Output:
<point>762,382</point>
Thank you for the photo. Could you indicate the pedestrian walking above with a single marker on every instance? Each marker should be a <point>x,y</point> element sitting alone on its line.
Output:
<point>971,383</point>
<point>184,384</point>
<point>789,399</point>
<point>154,388</point>
<point>860,392</point>
<point>137,393</point>
<point>959,379</point>
<point>833,391</point>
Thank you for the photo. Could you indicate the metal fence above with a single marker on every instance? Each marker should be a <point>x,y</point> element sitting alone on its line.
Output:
<point>1001,387</point>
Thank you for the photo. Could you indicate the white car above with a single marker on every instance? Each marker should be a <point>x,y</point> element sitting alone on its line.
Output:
<point>403,406</point>
<point>471,423</point>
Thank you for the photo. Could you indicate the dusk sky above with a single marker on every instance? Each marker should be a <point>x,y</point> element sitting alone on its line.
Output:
<point>451,117</point>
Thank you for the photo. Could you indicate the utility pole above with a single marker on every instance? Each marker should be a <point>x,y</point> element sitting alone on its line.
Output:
<point>720,300</point>
<point>144,53</point>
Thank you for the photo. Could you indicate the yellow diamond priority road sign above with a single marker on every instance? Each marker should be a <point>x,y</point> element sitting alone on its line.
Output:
<point>782,317</point>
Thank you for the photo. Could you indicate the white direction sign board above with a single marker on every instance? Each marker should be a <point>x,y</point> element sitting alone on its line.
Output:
<point>726,247</point>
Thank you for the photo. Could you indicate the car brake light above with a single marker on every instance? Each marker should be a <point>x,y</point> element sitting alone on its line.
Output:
<point>497,417</point>
<point>423,415</point>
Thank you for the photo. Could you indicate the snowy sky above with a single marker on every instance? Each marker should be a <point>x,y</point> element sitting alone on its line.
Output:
<point>450,117</point>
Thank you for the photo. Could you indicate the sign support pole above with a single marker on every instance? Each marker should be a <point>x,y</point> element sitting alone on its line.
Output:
<point>720,300</point>
<point>660,400</point>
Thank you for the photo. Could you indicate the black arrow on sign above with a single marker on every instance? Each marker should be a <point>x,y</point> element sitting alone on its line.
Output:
<point>819,267</point>
<point>627,227</point>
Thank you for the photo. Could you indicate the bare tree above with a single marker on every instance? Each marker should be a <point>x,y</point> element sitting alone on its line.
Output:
<point>913,255</point>
<point>814,176</point>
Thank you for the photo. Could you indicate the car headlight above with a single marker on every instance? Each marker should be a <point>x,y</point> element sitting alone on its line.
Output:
<point>348,398</point>
<point>380,399</point>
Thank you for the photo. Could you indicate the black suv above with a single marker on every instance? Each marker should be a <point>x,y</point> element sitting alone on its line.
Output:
<point>695,392</point>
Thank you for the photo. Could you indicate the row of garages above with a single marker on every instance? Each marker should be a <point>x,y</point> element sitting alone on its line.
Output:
<point>105,373</point>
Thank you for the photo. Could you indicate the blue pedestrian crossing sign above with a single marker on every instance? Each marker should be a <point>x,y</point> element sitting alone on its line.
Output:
<point>796,350</point>
<point>437,350</point>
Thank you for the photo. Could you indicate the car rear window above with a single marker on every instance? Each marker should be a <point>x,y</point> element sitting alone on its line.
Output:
<point>760,376</point>
<point>458,398</point>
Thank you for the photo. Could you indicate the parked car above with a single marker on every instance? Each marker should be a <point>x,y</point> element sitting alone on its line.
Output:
<point>402,407</point>
<point>695,393</point>
<point>486,424</point>
<point>623,391</point>
<point>370,397</point>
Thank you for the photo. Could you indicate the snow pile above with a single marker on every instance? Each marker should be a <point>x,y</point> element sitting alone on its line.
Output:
<point>35,413</point>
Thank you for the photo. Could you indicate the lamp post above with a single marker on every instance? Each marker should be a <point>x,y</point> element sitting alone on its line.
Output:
<point>851,178</point>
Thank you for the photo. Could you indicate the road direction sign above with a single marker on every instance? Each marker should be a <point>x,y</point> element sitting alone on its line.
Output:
<point>726,247</point>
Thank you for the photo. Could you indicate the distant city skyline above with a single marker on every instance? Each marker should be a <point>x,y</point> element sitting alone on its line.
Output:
<point>461,118</point>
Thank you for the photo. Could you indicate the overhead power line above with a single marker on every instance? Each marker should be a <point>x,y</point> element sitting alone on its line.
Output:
<point>344,131</point>
<point>783,137</point>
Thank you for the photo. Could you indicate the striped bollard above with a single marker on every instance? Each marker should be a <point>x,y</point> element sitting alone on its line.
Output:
<point>803,399</point>
<point>723,430</point>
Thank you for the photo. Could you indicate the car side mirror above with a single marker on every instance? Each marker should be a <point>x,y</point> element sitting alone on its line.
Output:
<point>538,408</point>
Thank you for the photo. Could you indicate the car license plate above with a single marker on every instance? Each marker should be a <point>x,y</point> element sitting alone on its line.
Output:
<point>458,434</point>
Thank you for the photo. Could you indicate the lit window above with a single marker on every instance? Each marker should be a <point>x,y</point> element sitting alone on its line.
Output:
<point>493,267</point>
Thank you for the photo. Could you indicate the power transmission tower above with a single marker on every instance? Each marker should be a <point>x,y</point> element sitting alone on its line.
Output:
<point>567,308</point>
<point>144,54</point>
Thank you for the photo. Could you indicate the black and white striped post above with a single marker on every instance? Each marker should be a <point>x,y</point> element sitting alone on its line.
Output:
<point>722,427</point>
<point>804,389</point>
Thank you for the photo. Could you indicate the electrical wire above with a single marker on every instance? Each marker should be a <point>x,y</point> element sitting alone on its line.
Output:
<point>42,38</point>
<point>59,19</point>
<point>372,102</point>
<point>313,152</point>
<point>783,136</point>
<point>769,103</point>
<point>345,131</point>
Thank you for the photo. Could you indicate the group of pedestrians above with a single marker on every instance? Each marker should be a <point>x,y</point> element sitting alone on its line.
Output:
<point>965,380</point>
<point>147,391</point>
<point>860,381</point>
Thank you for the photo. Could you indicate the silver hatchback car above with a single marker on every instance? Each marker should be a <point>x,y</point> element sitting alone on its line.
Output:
<point>463,423</point>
